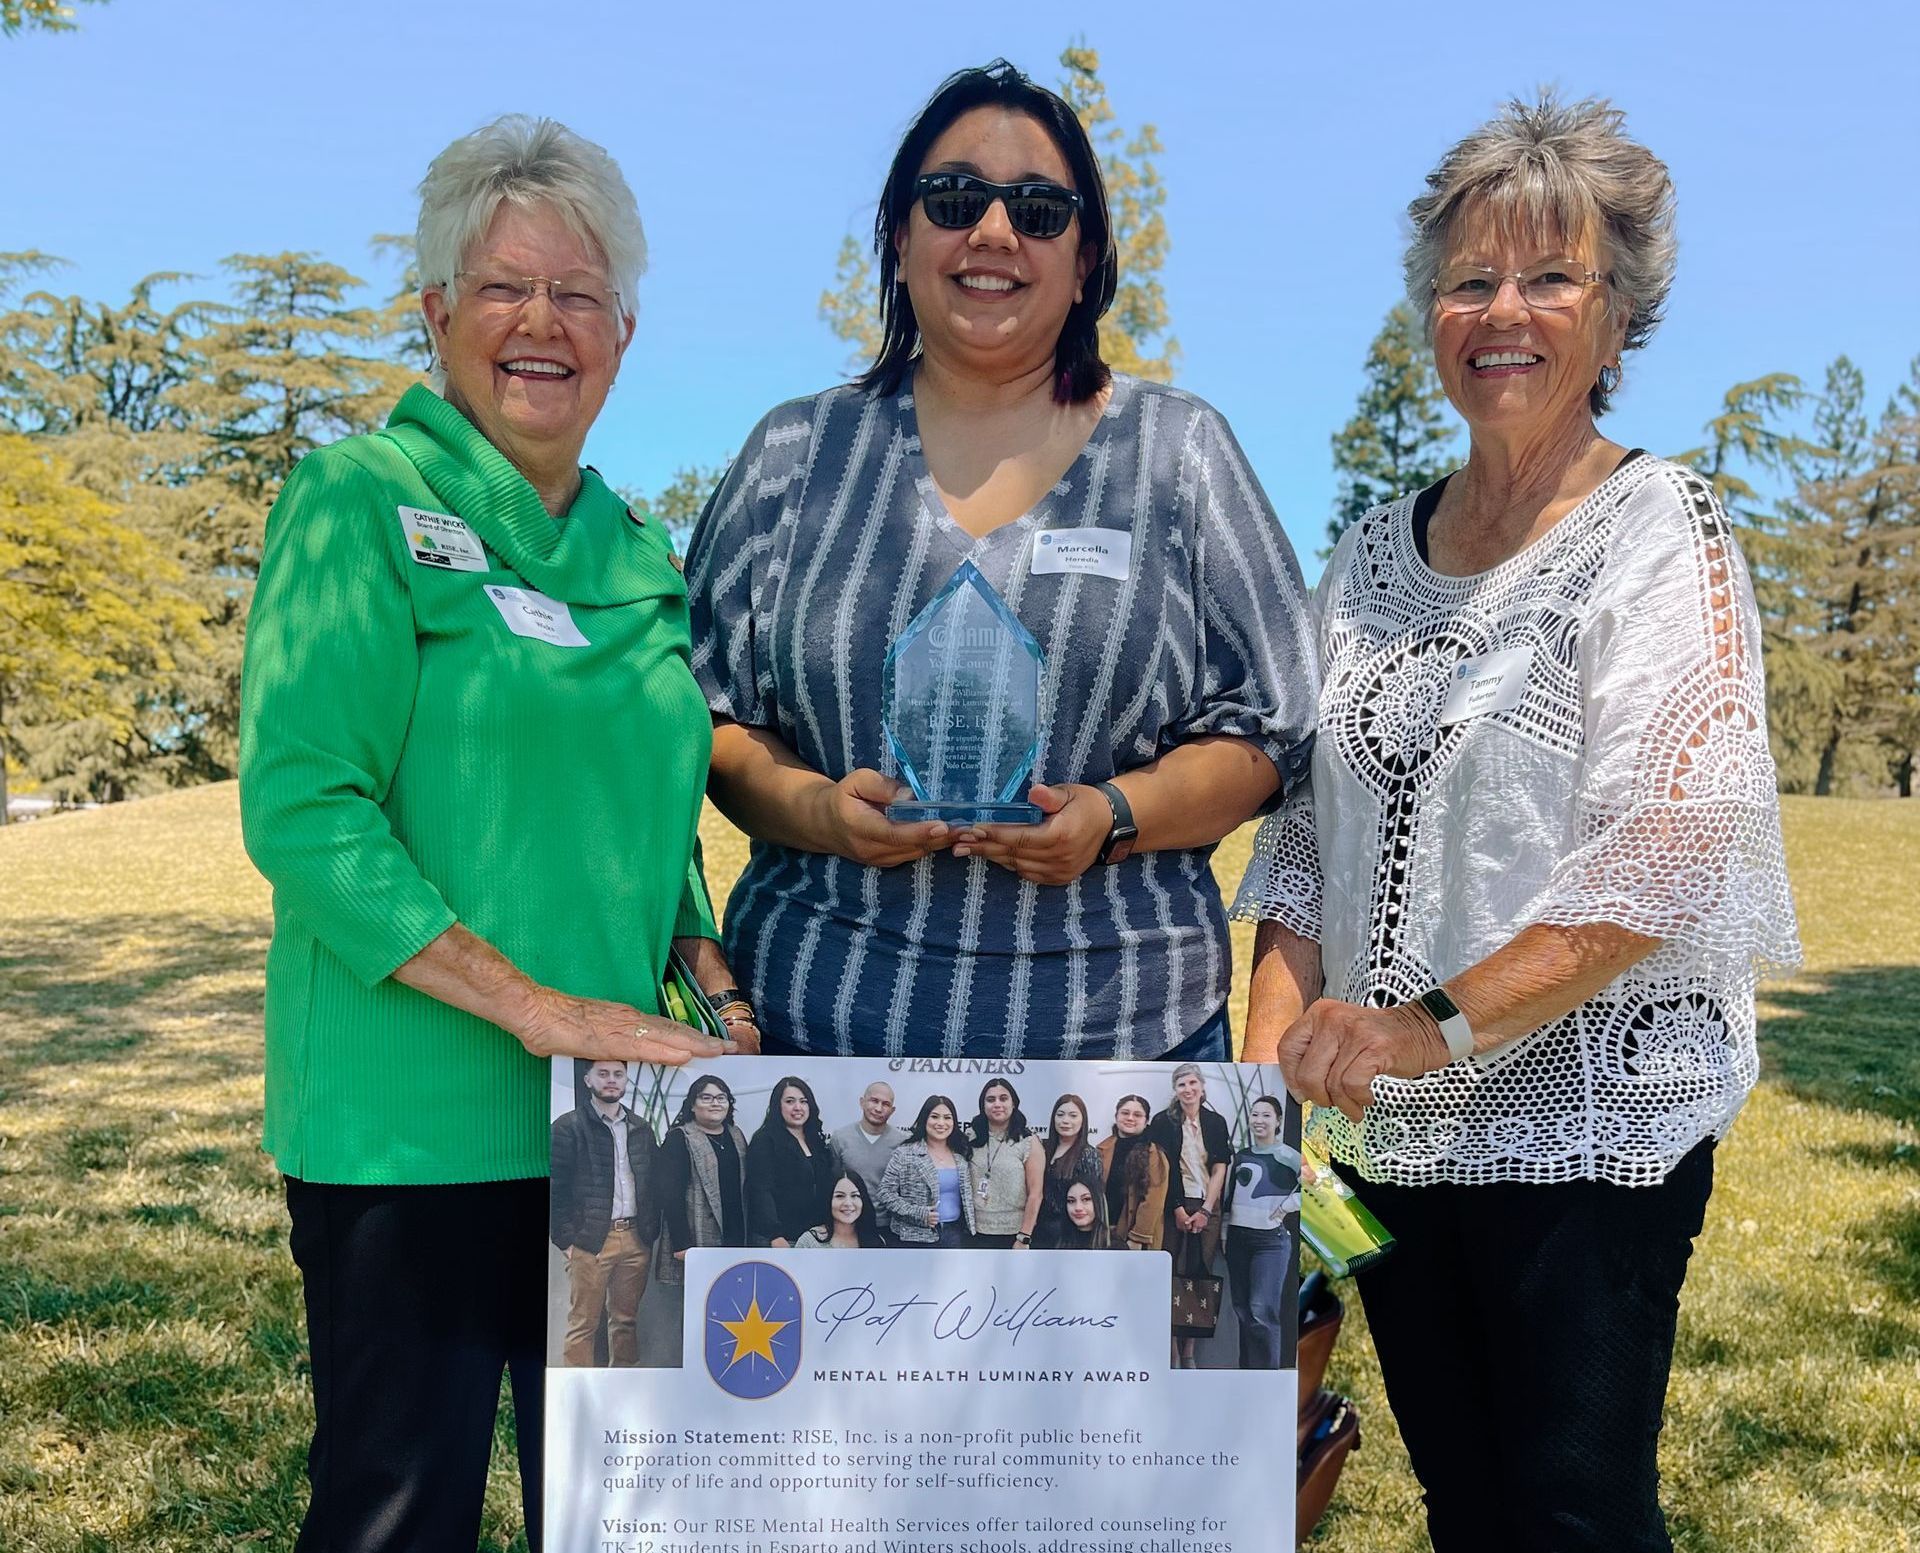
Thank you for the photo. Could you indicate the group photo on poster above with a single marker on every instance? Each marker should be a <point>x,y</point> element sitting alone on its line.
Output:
<point>1199,1162</point>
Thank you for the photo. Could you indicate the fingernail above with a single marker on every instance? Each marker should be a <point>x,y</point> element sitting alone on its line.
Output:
<point>960,851</point>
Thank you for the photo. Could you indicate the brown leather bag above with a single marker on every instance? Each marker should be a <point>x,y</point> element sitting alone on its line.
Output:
<point>1332,1435</point>
<point>1321,1313</point>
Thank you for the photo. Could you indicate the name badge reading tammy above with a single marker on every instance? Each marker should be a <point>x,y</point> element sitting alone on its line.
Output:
<point>1097,552</point>
<point>532,614</point>
<point>441,540</point>
<point>1492,683</point>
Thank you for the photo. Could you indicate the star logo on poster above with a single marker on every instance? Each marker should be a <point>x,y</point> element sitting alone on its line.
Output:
<point>753,1330</point>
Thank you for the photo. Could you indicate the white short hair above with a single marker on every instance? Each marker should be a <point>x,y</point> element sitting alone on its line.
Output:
<point>529,162</point>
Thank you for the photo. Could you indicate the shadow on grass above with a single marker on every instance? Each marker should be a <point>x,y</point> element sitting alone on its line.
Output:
<point>87,990</point>
<point>1848,1038</point>
<point>53,969</point>
<point>1893,1253</point>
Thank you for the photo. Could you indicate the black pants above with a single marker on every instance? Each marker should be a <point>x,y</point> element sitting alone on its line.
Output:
<point>418,1297</point>
<point>1525,1334</point>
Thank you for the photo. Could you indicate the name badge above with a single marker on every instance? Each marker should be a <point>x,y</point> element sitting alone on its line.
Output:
<point>1094,552</point>
<point>1493,683</point>
<point>440,540</point>
<point>532,614</point>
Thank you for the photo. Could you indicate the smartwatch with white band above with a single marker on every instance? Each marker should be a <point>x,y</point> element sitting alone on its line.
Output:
<point>1454,1029</point>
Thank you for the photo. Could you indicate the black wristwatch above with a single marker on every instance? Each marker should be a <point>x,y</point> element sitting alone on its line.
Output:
<point>1123,832</point>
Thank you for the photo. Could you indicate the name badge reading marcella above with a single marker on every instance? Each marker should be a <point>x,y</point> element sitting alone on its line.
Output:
<point>532,614</point>
<point>440,540</point>
<point>1095,552</point>
<point>1494,682</point>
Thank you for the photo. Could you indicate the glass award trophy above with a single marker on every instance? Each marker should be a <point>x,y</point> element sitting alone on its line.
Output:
<point>961,708</point>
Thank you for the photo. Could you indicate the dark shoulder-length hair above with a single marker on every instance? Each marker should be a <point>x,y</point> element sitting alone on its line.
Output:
<point>1069,1163</point>
<point>697,1088</point>
<point>957,1140</point>
<point>816,1134</point>
<point>1079,372</point>
<point>1017,1127</point>
<point>866,1228</point>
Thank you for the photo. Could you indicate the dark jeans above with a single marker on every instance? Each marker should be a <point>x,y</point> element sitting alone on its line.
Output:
<point>1212,1042</point>
<point>953,1234</point>
<point>418,1297</point>
<point>1525,1334</point>
<point>1258,1264</point>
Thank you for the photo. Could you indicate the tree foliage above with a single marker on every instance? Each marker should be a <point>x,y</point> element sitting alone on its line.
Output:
<point>186,416</point>
<point>1828,506</point>
<point>1133,335</point>
<point>18,16</point>
<point>1399,438</point>
<point>90,612</point>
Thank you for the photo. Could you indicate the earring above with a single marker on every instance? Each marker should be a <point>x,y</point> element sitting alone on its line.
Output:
<point>1610,379</point>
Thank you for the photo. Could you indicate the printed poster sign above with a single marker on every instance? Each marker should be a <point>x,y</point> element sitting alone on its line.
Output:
<point>959,1377</point>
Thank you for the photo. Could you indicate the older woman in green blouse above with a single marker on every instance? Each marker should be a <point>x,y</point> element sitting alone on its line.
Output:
<point>472,763</point>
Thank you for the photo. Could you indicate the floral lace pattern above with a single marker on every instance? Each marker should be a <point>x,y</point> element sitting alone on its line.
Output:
<point>1630,783</point>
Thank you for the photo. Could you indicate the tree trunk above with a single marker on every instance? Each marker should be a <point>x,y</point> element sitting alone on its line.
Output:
<point>1823,783</point>
<point>1903,775</point>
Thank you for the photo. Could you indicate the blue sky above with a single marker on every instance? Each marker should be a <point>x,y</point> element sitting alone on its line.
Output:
<point>755,135</point>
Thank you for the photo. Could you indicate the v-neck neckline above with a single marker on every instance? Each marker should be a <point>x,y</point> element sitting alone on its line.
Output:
<point>934,506</point>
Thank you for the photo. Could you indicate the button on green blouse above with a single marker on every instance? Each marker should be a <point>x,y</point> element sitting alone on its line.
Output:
<point>456,709</point>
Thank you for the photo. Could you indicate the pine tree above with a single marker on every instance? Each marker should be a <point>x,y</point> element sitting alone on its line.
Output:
<point>37,15</point>
<point>851,306</point>
<point>1853,521</point>
<point>1133,335</point>
<point>1399,438</point>
<point>1750,440</point>
<point>188,418</point>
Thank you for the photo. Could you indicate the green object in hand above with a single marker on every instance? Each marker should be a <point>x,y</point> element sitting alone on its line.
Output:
<point>1343,1234</point>
<point>682,1001</point>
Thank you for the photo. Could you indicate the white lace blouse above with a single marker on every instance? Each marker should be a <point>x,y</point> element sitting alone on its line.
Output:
<point>1617,772</point>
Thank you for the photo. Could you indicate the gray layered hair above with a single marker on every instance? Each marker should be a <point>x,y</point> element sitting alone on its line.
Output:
<point>527,162</point>
<point>1570,167</point>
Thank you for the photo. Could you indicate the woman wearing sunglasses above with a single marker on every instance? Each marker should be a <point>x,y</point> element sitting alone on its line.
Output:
<point>1119,521</point>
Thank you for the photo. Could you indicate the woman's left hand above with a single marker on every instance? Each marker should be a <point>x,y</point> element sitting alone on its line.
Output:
<point>1059,849</point>
<point>1334,1051</point>
<point>745,1035</point>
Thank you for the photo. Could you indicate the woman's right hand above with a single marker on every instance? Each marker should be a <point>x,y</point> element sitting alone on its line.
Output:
<point>933,1218</point>
<point>853,820</point>
<point>558,1024</point>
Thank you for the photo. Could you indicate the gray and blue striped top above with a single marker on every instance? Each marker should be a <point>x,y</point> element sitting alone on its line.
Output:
<point>825,539</point>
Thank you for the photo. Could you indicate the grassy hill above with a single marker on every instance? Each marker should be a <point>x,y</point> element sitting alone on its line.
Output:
<point>151,1346</point>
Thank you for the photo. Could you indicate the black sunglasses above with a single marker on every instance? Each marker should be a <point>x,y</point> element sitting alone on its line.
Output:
<point>959,200</point>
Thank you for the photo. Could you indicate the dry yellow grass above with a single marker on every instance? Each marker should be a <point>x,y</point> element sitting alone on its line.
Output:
<point>151,1374</point>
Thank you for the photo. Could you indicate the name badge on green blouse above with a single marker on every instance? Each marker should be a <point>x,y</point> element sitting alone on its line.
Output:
<point>442,541</point>
<point>532,614</point>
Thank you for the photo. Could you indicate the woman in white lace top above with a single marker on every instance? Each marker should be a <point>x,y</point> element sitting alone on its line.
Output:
<point>1541,854</point>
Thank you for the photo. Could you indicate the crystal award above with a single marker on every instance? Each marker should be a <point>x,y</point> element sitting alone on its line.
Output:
<point>960,708</point>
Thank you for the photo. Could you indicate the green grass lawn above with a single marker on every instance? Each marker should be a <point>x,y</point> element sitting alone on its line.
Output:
<point>152,1385</point>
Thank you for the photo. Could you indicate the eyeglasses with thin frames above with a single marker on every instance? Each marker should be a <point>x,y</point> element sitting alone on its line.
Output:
<point>576,296</point>
<point>1552,285</point>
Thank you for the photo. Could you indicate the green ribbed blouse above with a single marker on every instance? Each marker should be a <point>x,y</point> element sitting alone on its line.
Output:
<point>409,761</point>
